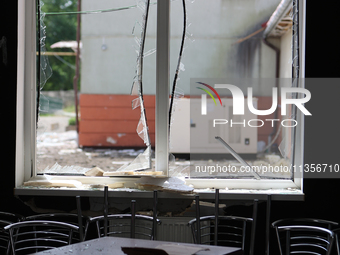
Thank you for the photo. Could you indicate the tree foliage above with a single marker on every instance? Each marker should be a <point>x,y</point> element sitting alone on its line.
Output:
<point>60,28</point>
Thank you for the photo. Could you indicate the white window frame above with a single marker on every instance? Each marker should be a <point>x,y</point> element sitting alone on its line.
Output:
<point>26,105</point>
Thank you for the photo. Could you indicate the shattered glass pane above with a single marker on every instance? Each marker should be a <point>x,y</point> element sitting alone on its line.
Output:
<point>149,52</point>
<point>58,169</point>
<point>181,67</point>
<point>142,129</point>
<point>44,105</point>
<point>141,162</point>
<point>143,157</point>
<point>286,148</point>
<point>45,68</point>
<point>179,93</point>
<point>135,103</point>
<point>135,88</point>
<point>141,5</point>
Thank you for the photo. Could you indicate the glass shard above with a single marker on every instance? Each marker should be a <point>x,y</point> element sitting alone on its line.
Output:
<point>149,52</point>
<point>135,103</point>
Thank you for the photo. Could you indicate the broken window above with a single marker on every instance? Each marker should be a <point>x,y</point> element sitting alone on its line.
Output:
<point>234,44</point>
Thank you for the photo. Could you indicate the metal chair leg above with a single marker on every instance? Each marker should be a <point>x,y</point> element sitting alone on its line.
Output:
<point>253,227</point>
<point>198,223</point>
<point>80,220</point>
<point>217,198</point>
<point>106,208</point>
<point>133,219</point>
<point>154,223</point>
<point>269,202</point>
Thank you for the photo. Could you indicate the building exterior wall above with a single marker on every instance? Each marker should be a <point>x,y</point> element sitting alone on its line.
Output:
<point>108,58</point>
<point>108,120</point>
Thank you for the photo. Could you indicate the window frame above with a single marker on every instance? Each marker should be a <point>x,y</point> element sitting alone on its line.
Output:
<point>26,105</point>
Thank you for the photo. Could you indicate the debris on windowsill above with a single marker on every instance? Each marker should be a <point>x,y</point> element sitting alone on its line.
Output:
<point>171,184</point>
<point>115,185</point>
<point>57,169</point>
<point>53,183</point>
<point>135,173</point>
<point>96,171</point>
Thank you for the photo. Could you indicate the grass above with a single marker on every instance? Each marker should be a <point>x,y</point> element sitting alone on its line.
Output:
<point>71,108</point>
<point>72,121</point>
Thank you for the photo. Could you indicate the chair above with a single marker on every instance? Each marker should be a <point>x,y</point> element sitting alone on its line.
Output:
<point>38,235</point>
<point>123,225</point>
<point>303,235</point>
<point>74,219</point>
<point>230,230</point>
<point>306,221</point>
<point>7,218</point>
<point>4,237</point>
<point>127,225</point>
<point>66,218</point>
<point>302,239</point>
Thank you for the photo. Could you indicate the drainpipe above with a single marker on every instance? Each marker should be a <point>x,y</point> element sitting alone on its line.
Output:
<point>76,77</point>
<point>281,10</point>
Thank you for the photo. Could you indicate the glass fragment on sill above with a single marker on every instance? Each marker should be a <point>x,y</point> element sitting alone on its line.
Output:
<point>141,162</point>
<point>178,168</point>
<point>60,170</point>
<point>180,171</point>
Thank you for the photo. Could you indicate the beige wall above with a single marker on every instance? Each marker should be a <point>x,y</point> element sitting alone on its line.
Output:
<point>216,25</point>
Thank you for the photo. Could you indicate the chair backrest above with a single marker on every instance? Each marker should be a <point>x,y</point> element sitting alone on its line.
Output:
<point>7,218</point>
<point>11,217</point>
<point>303,239</point>
<point>224,230</point>
<point>37,235</point>
<point>119,225</point>
<point>4,237</point>
<point>66,218</point>
<point>231,230</point>
<point>306,222</point>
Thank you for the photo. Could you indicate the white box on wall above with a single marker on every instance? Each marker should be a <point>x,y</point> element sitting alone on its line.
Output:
<point>188,122</point>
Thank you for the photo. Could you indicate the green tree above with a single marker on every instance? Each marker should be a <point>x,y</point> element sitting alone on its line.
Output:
<point>60,28</point>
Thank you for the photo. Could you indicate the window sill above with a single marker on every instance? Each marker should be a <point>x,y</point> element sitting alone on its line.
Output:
<point>285,191</point>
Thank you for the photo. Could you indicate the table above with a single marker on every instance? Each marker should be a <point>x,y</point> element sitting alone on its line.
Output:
<point>113,245</point>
